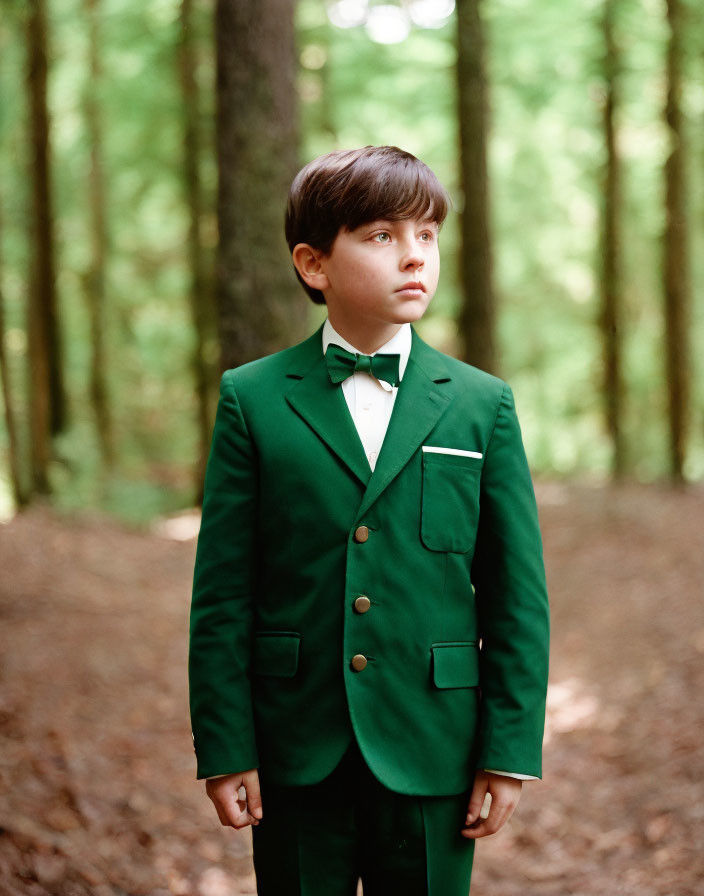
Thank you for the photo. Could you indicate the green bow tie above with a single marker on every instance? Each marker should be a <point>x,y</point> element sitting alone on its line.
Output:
<point>342,364</point>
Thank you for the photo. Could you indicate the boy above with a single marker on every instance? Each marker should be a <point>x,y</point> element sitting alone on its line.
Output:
<point>369,626</point>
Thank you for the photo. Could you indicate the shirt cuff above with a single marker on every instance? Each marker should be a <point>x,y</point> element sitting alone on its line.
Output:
<point>512,775</point>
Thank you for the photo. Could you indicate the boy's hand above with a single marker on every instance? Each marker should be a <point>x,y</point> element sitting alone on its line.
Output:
<point>505,793</point>
<point>233,811</point>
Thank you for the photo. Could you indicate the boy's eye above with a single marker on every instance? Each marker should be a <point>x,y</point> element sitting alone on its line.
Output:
<point>427,235</point>
<point>382,234</point>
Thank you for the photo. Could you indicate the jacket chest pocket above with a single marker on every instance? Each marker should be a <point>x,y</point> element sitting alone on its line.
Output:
<point>450,501</point>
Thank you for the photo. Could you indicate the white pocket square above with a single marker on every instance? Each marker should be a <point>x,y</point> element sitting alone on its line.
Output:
<point>452,451</point>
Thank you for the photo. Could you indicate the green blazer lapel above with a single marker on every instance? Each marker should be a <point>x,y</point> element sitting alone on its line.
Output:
<point>423,396</point>
<point>323,406</point>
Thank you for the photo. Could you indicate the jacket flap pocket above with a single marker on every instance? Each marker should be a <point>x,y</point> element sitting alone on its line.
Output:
<point>456,664</point>
<point>276,653</point>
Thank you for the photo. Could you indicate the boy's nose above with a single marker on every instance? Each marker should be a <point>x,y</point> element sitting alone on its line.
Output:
<point>412,259</point>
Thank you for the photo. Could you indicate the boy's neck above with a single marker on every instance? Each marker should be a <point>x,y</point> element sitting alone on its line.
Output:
<point>365,338</point>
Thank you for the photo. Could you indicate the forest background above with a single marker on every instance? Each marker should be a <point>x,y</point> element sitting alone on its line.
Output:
<point>586,286</point>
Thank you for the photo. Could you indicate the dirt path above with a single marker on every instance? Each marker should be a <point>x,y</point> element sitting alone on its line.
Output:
<point>97,774</point>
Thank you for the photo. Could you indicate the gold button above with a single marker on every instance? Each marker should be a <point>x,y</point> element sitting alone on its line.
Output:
<point>362,603</point>
<point>361,533</point>
<point>359,661</point>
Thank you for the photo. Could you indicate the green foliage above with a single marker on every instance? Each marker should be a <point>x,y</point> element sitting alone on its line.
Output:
<point>546,157</point>
<point>149,331</point>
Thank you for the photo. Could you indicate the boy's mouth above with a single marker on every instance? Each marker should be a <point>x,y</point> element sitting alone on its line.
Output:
<point>413,286</point>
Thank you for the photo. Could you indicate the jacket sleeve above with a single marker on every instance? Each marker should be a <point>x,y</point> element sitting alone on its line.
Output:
<point>508,576</point>
<point>221,605</point>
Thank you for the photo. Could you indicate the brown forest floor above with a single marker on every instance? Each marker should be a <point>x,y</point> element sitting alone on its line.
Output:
<point>97,774</point>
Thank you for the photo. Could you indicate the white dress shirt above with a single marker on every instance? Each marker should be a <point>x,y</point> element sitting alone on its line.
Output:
<point>371,402</point>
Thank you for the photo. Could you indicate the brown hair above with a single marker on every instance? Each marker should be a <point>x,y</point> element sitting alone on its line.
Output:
<point>350,187</point>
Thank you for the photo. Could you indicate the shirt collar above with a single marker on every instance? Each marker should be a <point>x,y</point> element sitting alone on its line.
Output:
<point>400,342</point>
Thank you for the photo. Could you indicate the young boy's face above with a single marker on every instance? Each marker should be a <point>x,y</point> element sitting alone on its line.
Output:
<point>385,272</point>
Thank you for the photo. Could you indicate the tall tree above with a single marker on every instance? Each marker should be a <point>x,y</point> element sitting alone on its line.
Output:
<point>95,279</point>
<point>47,403</point>
<point>611,297</point>
<point>260,305</point>
<point>200,287</point>
<point>18,492</point>
<point>477,312</point>
<point>676,256</point>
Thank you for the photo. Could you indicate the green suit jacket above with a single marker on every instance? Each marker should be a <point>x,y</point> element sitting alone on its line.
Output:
<point>456,634</point>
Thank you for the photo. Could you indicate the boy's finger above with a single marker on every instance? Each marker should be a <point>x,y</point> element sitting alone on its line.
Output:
<point>477,797</point>
<point>476,831</point>
<point>234,810</point>
<point>498,815</point>
<point>240,818</point>
<point>244,816</point>
<point>254,799</point>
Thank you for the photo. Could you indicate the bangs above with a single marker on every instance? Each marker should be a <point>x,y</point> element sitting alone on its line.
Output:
<point>391,188</point>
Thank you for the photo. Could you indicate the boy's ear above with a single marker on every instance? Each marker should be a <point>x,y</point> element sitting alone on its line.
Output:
<point>308,264</point>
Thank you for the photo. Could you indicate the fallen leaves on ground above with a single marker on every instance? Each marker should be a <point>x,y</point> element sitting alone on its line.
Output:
<point>97,773</point>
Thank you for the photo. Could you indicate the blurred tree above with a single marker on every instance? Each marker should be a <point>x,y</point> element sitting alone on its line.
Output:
<point>547,70</point>
<point>260,304</point>
<point>476,315</point>
<point>13,451</point>
<point>676,256</point>
<point>611,296</point>
<point>95,275</point>
<point>200,291</point>
<point>47,400</point>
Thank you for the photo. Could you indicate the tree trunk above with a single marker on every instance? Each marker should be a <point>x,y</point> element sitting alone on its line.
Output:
<point>676,260</point>
<point>201,297</point>
<point>18,493</point>
<point>611,297</point>
<point>96,273</point>
<point>261,307</point>
<point>47,407</point>
<point>477,313</point>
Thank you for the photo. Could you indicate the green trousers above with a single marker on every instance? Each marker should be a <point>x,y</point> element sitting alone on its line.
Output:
<point>321,839</point>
